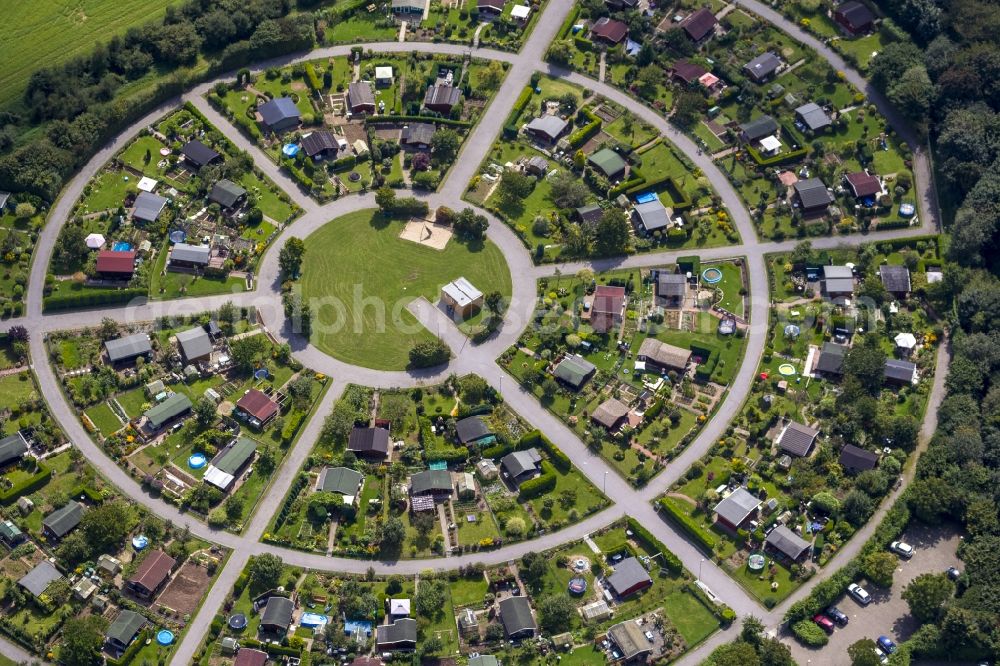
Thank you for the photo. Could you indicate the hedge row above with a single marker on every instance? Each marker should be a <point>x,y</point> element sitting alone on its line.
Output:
<point>272,649</point>
<point>670,561</point>
<point>558,459</point>
<point>569,22</point>
<point>510,127</point>
<point>312,79</point>
<point>384,120</point>
<point>583,43</point>
<point>28,485</point>
<point>539,485</point>
<point>893,224</point>
<point>86,298</point>
<point>777,159</point>
<point>344,163</point>
<point>582,135</point>
<point>702,537</point>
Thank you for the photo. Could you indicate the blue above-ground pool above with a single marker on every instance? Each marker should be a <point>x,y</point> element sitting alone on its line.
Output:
<point>140,542</point>
<point>290,150</point>
<point>353,627</point>
<point>261,373</point>
<point>164,637</point>
<point>645,197</point>
<point>197,460</point>
<point>121,246</point>
<point>313,620</point>
<point>711,275</point>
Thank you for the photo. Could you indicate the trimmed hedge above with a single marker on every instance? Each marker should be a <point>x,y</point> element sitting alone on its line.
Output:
<point>702,537</point>
<point>344,163</point>
<point>809,633</point>
<point>28,485</point>
<point>539,485</point>
<point>677,195</point>
<point>777,159</point>
<point>582,135</point>
<point>558,459</point>
<point>312,79</point>
<point>568,23</point>
<point>510,127</point>
<point>385,120</point>
<point>583,43</point>
<point>272,649</point>
<point>670,561</point>
<point>87,298</point>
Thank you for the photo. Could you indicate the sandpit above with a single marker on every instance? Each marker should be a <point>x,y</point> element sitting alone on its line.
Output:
<point>426,233</point>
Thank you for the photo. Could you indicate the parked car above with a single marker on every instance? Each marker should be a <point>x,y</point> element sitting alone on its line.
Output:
<point>886,645</point>
<point>859,593</point>
<point>953,573</point>
<point>838,616</point>
<point>825,623</point>
<point>883,658</point>
<point>902,549</point>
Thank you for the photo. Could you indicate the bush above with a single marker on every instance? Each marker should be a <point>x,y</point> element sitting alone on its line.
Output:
<point>809,634</point>
<point>27,485</point>
<point>670,561</point>
<point>88,298</point>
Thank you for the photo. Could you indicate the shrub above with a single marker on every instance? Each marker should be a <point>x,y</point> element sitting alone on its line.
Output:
<point>701,536</point>
<point>670,561</point>
<point>809,633</point>
<point>539,485</point>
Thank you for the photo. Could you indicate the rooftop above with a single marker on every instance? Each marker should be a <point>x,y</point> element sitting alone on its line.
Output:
<point>154,570</point>
<point>627,574</point>
<point>38,579</point>
<point>340,480</point>
<point>278,110</point>
<point>797,439</point>
<point>257,404</point>
<point>195,343</point>
<point>735,508</point>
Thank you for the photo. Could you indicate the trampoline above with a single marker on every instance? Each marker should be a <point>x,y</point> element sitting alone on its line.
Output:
<point>645,197</point>
<point>178,236</point>
<point>354,176</point>
<point>290,150</point>
<point>313,620</point>
<point>786,369</point>
<point>907,210</point>
<point>711,276</point>
<point>756,562</point>
<point>164,637</point>
<point>577,585</point>
<point>261,373</point>
<point>197,461</point>
<point>140,542</point>
<point>121,246</point>
<point>238,622</point>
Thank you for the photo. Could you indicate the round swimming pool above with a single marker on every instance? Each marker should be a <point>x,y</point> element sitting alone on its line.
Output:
<point>177,236</point>
<point>164,637</point>
<point>786,369</point>
<point>197,460</point>
<point>140,542</point>
<point>711,275</point>
<point>756,562</point>
<point>261,373</point>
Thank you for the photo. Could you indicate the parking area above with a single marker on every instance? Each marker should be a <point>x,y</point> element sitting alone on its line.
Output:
<point>887,614</point>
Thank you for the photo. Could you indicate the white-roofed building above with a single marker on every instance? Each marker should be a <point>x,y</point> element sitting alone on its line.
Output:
<point>147,184</point>
<point>770,145</point>
<point>520,12</point>
<point>461,297</point>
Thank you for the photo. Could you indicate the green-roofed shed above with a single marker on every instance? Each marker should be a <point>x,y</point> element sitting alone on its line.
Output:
<point>574,370</point>
<point>176,404</point>
<point>608,162</point>
<point>124,629</point>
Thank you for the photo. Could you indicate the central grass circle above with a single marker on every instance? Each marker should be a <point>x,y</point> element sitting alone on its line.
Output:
<point>358,275</point>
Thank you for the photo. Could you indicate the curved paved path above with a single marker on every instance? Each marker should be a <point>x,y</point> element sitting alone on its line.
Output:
<point>469,358</point>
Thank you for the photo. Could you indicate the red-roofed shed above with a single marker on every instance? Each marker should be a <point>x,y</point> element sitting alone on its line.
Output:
<point>116,264</point>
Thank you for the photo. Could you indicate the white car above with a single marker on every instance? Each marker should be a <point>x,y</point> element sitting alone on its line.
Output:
<point>902,549</point>
<point>883,658</point>
<point>859,593</point>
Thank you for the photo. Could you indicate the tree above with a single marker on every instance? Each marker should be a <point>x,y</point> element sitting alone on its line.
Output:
<point>247,352</point>
<point>826,503</point>
<point>568,191</point>
<point>549,388</point>
<point>290,257</point>
<point>533,569</point>
<point>385,199</point>
<point>515,527</point>
<point>490,78</point>
<point>430,596</point>
<point>856,507</point>
<point>471,225</point>
<point>612,236</point>
<point>862,653</point>
<point>24,210</point>
<point>927,594</point>
<point>474,389</point>
<point>866,363</point>
<point>879,567</point>
<point>688,109</point>
<point>18,334</point>
<point>555,612</point>
<point>338,424</point>
<point>393,533</point>
<point>445,144</point>
<point>429,354</point>
<point>81,639</point>
<point>106,526</point>
<point>912,93</point>
<point>561,51</point>
<point>108,328</point>
<point>300,390</point>
<point>737,653</point>
<point>265,571</point>
<point>204,412</point>
<point>514,188</point>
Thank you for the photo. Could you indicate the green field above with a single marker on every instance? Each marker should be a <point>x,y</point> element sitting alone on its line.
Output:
<point>47,32</point>
<point>359,275</point>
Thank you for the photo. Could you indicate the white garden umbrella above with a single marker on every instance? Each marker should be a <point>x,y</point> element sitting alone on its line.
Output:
<point>95,241</point>
<point>906,341</point>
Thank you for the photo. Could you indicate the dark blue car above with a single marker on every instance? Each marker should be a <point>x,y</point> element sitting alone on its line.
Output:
<point>886,644</point>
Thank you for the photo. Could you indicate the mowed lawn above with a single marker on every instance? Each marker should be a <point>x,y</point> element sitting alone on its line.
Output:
<point>47,32</point>
<point>358,276</point>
